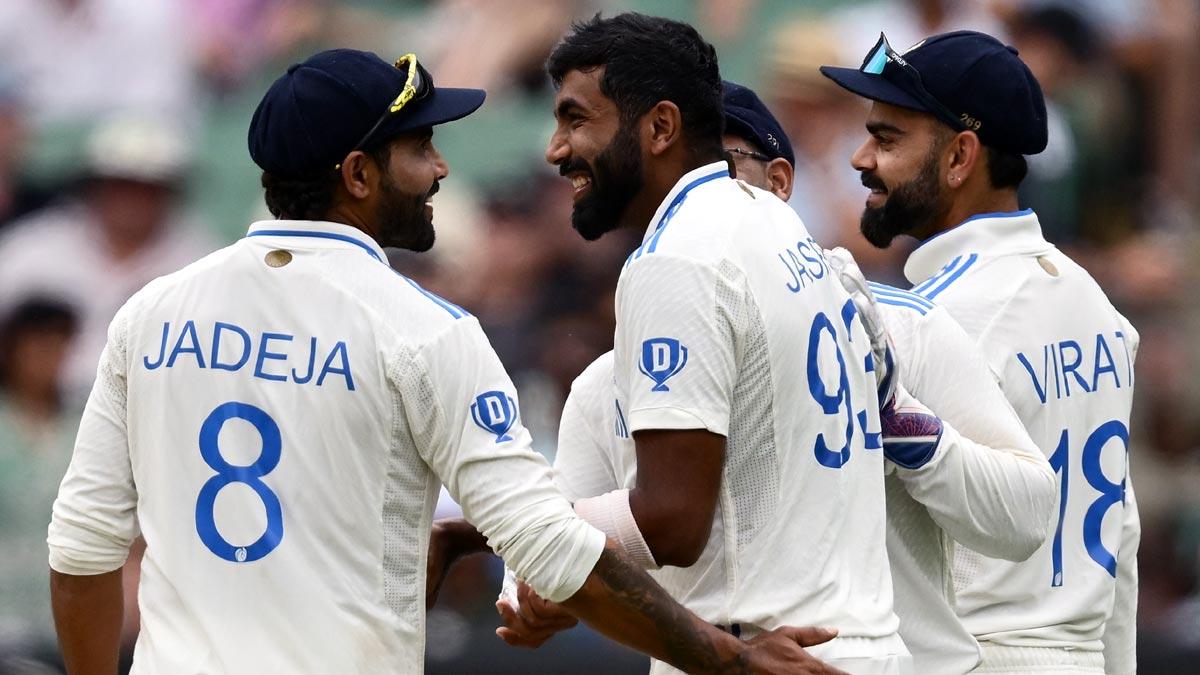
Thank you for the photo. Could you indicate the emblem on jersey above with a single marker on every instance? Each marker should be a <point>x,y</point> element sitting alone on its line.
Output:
<point>662,359</point>
<point>496,412</point>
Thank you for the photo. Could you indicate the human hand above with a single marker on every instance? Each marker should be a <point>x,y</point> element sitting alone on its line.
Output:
<point>533,620</point>
<point>782,651</point>
<point>449,540</point>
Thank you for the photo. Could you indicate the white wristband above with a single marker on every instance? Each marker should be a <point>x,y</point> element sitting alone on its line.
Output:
<point>610,514</point>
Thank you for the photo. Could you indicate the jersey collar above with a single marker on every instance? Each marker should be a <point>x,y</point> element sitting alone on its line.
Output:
<point>685,185</point>
<point>985,235</point>
<point>337,235</point>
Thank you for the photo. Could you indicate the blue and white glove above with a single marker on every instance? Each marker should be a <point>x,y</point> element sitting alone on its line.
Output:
<point>911,432</point>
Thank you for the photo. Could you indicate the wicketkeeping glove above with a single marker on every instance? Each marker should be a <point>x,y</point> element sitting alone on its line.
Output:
<point>911,432</point>
<point>852,279</point>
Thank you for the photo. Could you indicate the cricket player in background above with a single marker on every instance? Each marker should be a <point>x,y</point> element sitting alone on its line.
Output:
<point>982,483</point>
<point>277,417</point>
<point>750,401</point>
<point>951,122</point>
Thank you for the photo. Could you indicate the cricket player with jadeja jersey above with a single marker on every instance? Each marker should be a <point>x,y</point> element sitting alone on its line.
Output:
<point>276,418</point>
<point>981,481</point>
<point>951,120</point>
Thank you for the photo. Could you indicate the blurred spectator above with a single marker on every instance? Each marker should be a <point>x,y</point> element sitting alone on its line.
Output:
<point>857,25</point>
<point>1081,185</point>
<point>1174,199</point>
<point>78,59</point>
<point>17,197</point>
<point>514,35</point>
<point>825,126</point>
<point>119,232</point>
<point>224,55</point>
<point>37,430</point>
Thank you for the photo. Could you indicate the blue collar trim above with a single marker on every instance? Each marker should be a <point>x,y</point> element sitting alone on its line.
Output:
<point>676,203</point>
<point>980,216</point>
<point>316,235</point>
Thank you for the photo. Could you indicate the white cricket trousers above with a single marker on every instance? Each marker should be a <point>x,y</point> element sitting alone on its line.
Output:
<point>838,652</point>
<point>1038,660</point>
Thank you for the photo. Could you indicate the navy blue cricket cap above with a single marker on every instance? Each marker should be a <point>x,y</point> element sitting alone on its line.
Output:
<point>748,117</point>
<point>968,80</point>
<point>339,100</point>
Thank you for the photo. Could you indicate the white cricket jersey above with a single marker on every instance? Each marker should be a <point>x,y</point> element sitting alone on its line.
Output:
<point>987,486</point>
<point>729,319</point>
<point>1064,358</point>
<point>993,489</point>
<point>277,418</point>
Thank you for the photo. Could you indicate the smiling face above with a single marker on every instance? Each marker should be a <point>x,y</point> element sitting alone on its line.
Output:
<point>901,162</point>
<point>599,154</point>
<point>403,210</point>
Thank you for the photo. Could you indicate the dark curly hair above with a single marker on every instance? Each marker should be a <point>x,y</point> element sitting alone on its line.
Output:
<point>647,59</point>
<point>311,197</point>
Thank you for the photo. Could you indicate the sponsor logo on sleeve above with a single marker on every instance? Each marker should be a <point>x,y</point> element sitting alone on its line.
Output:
<point>662,359</point>
<point>495,412</point>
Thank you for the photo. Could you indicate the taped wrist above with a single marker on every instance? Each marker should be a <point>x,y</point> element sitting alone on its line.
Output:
<point>508,589</point>
<point>610,514</point>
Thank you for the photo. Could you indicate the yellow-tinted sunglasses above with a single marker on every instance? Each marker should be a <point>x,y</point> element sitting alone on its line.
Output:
<point>418,85</point>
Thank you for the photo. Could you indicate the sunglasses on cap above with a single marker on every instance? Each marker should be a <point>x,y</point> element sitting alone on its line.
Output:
<point>748,153</point>
<point>885,62</point>
<point>418,85</point>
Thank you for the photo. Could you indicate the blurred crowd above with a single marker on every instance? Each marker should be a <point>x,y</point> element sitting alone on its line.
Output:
<point>122,157</point>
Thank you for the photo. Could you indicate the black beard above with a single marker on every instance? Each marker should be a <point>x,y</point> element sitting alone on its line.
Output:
<point>616,180</point>
<point>915,205</point>
<point>402,220</point>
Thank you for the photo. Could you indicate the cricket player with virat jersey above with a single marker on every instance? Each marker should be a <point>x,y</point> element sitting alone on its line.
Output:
<point>276,418</point>
<point>981,482</point>
<point>951,120</point>
<point>752,405</point>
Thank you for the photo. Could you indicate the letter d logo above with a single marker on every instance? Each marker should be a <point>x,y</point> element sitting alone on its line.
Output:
<point>662,359</point>
<point>495,412</point>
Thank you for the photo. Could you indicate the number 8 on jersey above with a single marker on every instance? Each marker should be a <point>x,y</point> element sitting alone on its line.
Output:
<point>250,476</point>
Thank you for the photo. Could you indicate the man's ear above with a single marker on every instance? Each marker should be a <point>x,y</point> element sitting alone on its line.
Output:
<point>780,175</point>
<point>966,158</point>
<point>359,174</point>
<point>662,127</point>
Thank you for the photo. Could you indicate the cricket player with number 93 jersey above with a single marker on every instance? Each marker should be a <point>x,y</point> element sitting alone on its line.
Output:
<point>752,404</point>
<point>970,474</point>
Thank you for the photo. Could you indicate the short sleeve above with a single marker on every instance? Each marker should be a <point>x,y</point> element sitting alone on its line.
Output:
<point>675,352</point>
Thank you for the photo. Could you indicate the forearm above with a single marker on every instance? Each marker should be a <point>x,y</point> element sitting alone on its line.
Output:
<point>622,602</point>
<point>88,612</point>
<point>993,500</point>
